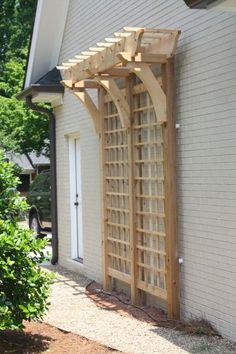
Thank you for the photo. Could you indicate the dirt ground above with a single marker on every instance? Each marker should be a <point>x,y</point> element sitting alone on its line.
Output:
<point>42,338</point>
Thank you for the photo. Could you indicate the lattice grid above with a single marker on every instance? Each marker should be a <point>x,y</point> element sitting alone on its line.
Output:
<point>117,191</point>
<point>149,195</point>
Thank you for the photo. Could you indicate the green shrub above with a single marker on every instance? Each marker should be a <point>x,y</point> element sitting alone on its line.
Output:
<point>11,204</point>
<point>24,286</point>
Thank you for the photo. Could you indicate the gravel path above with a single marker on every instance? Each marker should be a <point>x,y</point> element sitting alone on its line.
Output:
<point>73,311</point>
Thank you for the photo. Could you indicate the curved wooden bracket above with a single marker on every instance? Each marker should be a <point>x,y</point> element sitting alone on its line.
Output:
<point>153,87</point>
<point>87,101</point>
<point>122,105</point>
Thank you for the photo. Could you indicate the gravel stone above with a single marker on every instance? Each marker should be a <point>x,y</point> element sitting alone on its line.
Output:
<point>72,310</point>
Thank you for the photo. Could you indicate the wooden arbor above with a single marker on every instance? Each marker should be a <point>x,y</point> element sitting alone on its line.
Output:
<point>133,73</point>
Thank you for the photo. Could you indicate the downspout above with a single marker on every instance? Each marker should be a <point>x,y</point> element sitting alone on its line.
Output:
<point>52,135</point>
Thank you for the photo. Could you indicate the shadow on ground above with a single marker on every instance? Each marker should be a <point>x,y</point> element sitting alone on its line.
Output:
<point>19,342</point>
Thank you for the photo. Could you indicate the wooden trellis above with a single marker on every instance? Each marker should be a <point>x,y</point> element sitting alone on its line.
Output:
<point>134,75</point>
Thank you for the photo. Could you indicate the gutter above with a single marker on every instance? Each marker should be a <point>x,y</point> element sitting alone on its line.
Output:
<point>199,4</point>
<point>52,133</point>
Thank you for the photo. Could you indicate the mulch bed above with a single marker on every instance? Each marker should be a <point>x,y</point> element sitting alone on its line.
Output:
<point>121,303</point>
<point>42,338</point>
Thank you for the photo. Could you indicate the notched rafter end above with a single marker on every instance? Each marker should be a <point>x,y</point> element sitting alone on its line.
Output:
<point>67,83</point>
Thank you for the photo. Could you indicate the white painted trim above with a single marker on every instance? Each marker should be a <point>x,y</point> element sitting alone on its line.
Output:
<point>224,5</point>
<point>73,210</point>
<point>79,184</point>
<point>34,42</point>
<point>72,265</point>
<point>75,135</point>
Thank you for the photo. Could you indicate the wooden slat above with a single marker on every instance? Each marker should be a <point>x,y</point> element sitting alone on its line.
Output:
<point>116,162</point>
<point>154,290</point>
<point>161,234</point>
<point>118,225</point>
<point>118,275</point>
<point>117,178</point>
<point>111,115</point>
<point>146,196</point>
<point>170,193</point>
<point>111,239</point>
<point>149,161</point>
<point>146,125</point>
<point>159,179</point>
<point>117,194</point>
<point>133,237</point>
<point>116,146</point>
<point>106,279</point>
<point>114,255</point>
<point>118,209</point>
<point>116,130</point>
<point>157,142</point>
<point>152,250</point>
<point>152,268</point>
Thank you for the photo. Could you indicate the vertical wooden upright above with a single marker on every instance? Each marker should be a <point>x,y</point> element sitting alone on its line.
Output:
<point>133,226</point>
<point>172,265</point>
<point>106,278</point>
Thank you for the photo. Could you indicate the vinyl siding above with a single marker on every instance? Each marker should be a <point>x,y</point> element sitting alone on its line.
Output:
<point>206,147</point>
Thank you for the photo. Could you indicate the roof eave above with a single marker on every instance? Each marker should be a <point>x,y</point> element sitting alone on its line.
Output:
<point>48,93</point>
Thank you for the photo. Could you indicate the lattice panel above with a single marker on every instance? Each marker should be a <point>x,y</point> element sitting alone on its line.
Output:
<point>116,194</point>
<point>149,194</point>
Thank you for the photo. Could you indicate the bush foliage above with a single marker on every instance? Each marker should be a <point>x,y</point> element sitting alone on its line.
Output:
<point>24,286</point>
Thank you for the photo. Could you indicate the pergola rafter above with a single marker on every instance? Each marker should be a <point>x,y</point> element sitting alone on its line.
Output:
<point>136,124</point>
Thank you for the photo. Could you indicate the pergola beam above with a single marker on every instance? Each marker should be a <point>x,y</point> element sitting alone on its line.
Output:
<point>134,44</point>
<point>117,72</point>
<point>126,57</point>
<point>89,84</point>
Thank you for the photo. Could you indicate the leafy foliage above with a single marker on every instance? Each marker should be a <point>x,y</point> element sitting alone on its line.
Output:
<point>22,130</point>
<point>11,204</point>
<point>15,28</point>
<point>24,286</point>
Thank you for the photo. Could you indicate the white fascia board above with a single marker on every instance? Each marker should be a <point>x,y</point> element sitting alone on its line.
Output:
<point>225,5</point>
<point>47,37</point>
<point>55,99</point>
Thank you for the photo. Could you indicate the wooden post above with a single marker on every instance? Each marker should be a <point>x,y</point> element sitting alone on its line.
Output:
<point>132,219</point>
<point>106,278</point>
<point>172,265</point>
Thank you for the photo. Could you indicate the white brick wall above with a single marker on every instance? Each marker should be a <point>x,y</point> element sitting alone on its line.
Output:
<point>206,146</point>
